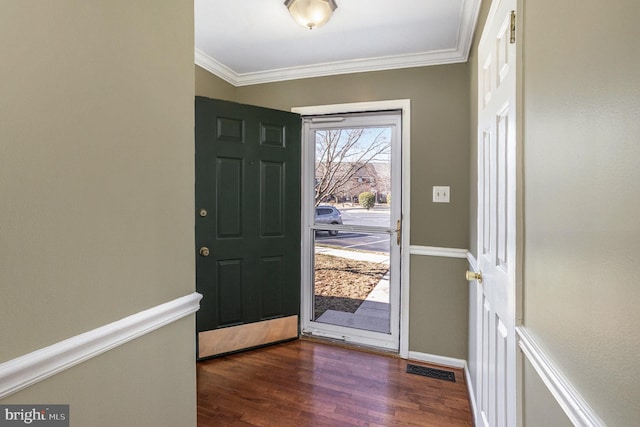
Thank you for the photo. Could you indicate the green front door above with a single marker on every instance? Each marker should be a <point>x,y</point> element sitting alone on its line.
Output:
<point>247,233</point>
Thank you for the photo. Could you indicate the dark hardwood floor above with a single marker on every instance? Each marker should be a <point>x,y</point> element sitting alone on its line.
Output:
<point>306,383</point>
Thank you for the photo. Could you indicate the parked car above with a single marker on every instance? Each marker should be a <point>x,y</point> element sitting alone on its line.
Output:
<point>328,215</point>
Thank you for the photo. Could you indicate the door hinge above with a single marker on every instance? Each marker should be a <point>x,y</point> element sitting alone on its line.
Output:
<point>512,37</point>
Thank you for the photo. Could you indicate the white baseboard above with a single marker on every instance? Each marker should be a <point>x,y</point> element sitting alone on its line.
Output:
<point>26,370</point>
<point>452,363</point>
<point>472,394</point>
<point>438,360</point>
<point>574,406</point>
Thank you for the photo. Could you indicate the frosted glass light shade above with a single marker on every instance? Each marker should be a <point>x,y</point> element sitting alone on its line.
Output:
<point>311,13</point>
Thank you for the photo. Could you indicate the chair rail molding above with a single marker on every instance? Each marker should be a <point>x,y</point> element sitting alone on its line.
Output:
<point>438,251</point>
<point>26,370</point>
<point>473,262</point>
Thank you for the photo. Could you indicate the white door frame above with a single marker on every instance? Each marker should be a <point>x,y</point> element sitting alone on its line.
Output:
<point>404,105</point>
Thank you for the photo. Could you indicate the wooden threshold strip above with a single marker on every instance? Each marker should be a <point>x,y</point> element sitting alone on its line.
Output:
<point>234,338</point>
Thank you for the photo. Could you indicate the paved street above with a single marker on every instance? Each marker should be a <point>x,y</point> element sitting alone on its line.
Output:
<point>360,241</point>
<point>377,217</point>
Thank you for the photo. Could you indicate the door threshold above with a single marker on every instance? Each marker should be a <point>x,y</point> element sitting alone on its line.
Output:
<point>349,345</point>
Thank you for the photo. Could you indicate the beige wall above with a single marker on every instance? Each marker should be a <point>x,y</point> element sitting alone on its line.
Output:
<point>541,407</point>
<point>581,79</point>
<point>211,86</point>
<point>96,183</point>
<point>143,383</point>
<point>438,322</point>
<point>582,204</point>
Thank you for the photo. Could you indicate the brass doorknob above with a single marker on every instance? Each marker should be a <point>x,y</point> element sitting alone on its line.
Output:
<point>204,251</point>
<point>472,275</point>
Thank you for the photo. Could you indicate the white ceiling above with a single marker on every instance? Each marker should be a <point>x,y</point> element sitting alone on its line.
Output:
<point>256,41</point>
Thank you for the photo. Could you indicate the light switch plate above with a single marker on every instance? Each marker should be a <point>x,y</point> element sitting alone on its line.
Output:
<point>441,194</point>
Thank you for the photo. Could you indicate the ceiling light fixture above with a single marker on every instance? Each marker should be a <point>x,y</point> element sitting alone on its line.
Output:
<point>311,13</point>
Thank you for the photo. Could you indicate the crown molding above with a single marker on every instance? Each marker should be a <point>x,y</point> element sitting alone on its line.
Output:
<point>468,17</point>
<point>215,67</point>
<point>327,68</point>
<point>469,20</point>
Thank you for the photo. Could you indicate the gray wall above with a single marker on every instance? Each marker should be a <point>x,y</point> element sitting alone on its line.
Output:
<point>439,156</point>
<point>582,204</point>
<point>96,183</point>
<point>581,76</point>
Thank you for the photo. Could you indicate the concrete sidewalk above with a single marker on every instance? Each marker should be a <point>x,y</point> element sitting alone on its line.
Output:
<point>358,256</point>
<point>373,314</point>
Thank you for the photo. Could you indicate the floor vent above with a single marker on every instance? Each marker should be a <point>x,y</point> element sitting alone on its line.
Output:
<point>431,372</point>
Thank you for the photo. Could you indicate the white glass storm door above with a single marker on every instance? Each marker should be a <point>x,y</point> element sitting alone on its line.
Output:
<point>351,216</point>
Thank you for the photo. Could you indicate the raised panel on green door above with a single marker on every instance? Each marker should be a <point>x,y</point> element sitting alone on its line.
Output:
<point>228,198</point>
<point>271,286</point>
<point>272,199</point>
<point>230,296</point>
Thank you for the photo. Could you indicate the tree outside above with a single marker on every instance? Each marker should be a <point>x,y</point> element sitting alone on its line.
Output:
<point>352,161</point>
<point>367,200</point>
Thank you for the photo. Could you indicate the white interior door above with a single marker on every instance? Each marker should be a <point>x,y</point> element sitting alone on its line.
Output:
<point>496,302</point>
